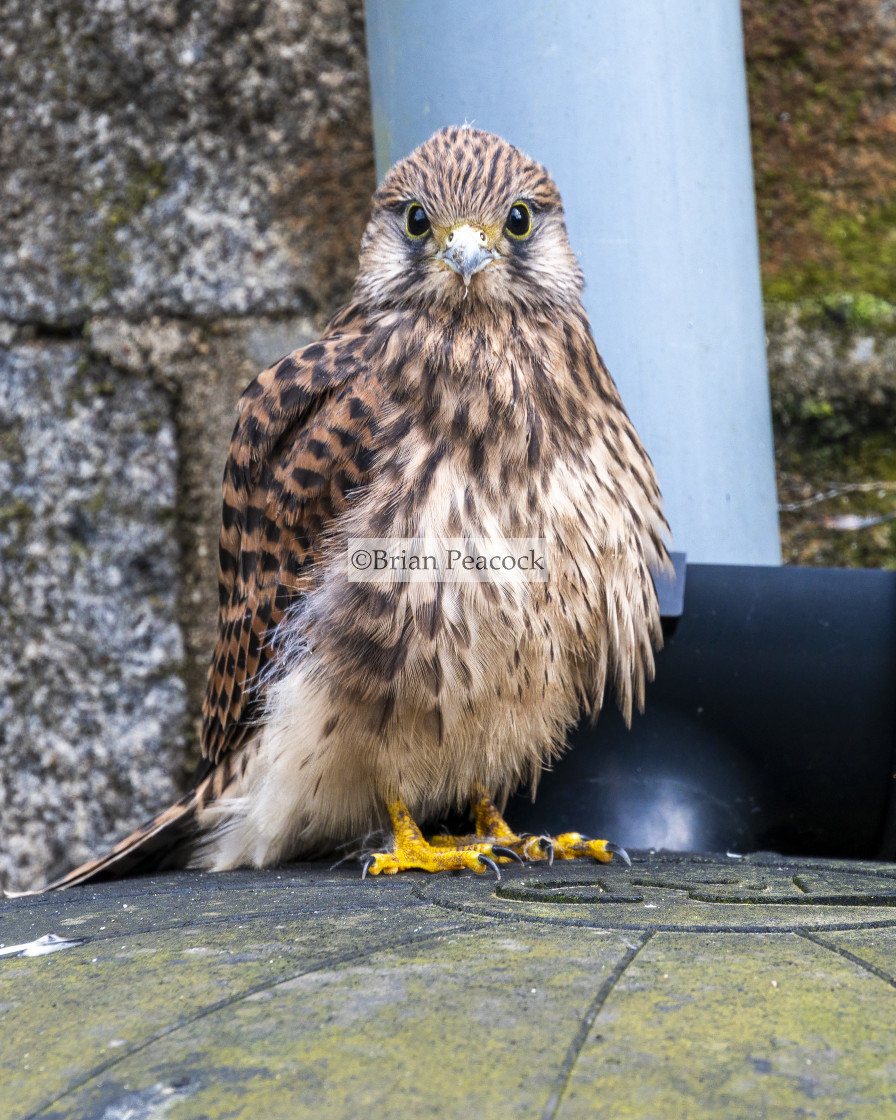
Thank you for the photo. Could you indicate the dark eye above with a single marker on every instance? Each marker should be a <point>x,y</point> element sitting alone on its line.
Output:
<point>416,223</point>
<point>519,221</point>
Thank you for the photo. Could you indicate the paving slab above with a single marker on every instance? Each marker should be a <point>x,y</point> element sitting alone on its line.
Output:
<point>691,985</point>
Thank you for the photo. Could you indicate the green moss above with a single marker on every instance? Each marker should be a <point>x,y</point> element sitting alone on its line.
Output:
<point>117,205</point>
<point>837,309</point>
<point>861,308</point>
<point>864,245</point>
<point>852,252</point>
<point>146,183</point>
<point>12,450</point>
<point>824,162</point>
<point>97,504</point>
<point>16,512</point>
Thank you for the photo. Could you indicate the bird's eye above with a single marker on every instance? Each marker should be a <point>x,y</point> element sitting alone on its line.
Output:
<point>416,223</point>
<point>519,221</point>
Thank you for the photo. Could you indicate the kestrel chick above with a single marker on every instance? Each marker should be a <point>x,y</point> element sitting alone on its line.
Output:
<point>459,394</point>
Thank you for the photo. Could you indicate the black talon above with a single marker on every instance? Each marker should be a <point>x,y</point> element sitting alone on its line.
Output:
<point>617,850</point>
<point>367,863</point>
<point>509,852</point>
<point>490,863</point>
<point>548,845</point>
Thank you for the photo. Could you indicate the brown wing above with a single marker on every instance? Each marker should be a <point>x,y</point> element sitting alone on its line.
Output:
<point>302,443</point>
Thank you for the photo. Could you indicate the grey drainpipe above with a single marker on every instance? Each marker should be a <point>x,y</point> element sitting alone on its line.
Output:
<point>639,110</point>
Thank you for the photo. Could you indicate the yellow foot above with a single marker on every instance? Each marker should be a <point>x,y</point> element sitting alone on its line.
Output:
<point>573,845</point>
<point>493,830</point>
<point>534,849</point>
<point>411,852</point>
<point>503,849</point>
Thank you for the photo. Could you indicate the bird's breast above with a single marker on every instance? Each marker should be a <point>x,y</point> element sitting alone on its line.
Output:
<point>458,605</point>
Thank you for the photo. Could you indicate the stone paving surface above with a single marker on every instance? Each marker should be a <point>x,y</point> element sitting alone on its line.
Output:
<point>689,985</point>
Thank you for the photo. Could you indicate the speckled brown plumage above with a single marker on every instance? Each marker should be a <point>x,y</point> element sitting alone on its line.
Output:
<point>302,444</point>
<point>437,403</point>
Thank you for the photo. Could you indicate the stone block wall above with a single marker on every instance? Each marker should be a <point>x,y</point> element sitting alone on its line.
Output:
<point>822,86</point>
<point>182,192</point>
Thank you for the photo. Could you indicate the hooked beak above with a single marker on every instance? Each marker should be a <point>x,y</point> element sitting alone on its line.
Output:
<point>467,252</point>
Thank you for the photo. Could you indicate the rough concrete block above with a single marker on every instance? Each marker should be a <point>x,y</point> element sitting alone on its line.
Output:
<point>92,703</point>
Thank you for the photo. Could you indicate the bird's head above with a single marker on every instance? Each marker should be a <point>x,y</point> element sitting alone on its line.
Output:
<point>467,218</point>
